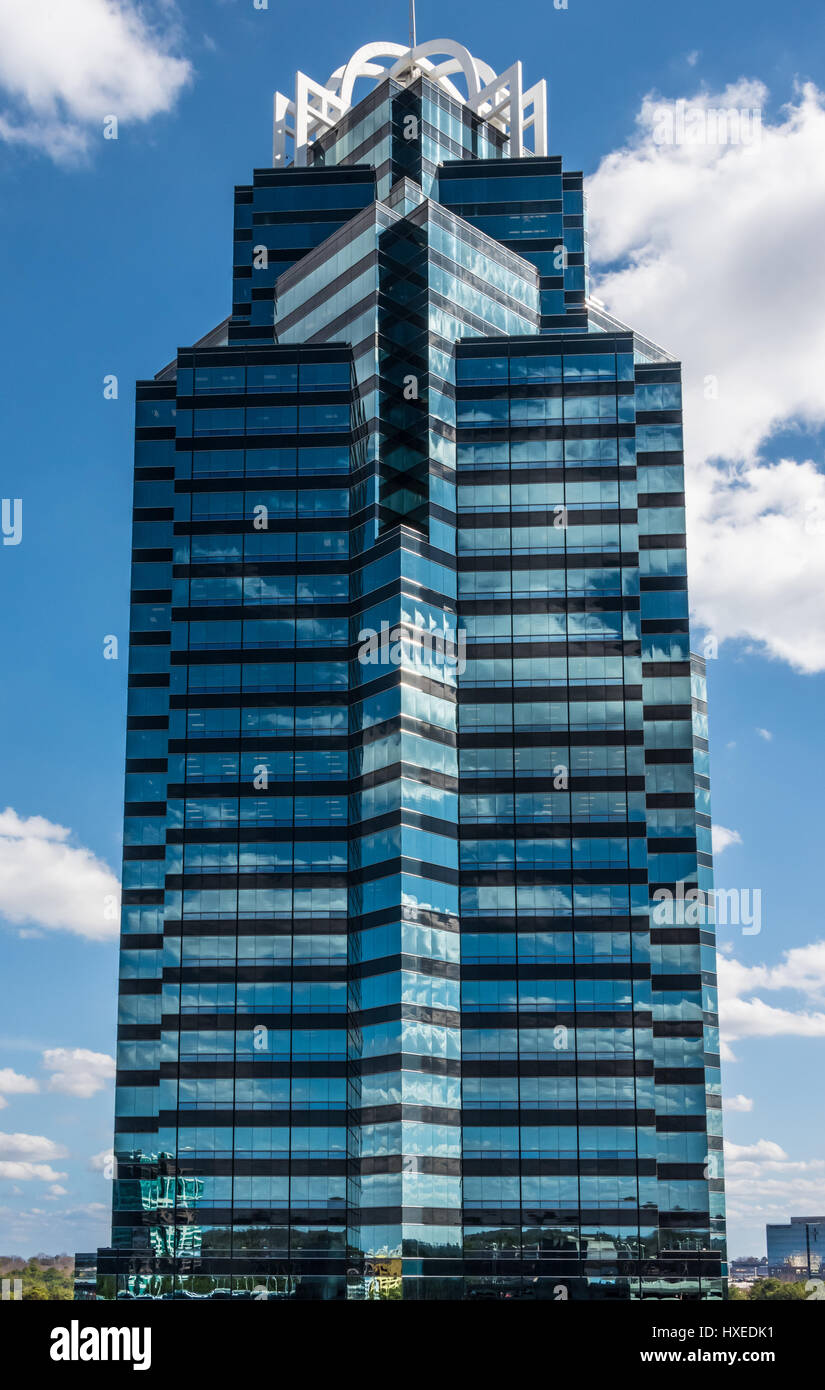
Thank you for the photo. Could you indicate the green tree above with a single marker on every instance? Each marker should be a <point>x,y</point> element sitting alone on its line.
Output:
<point>46,1282</point>
<point>34,1290</point>
<point>777,1289</point>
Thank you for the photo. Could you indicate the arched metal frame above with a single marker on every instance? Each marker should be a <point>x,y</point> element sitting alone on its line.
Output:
<point>500,99</point>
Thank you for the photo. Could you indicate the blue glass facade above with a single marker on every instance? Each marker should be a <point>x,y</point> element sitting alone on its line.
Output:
<point>798,1244</point>
<point>417,757</point>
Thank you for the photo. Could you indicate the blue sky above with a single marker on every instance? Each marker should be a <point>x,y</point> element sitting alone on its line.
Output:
<point>118,251</point>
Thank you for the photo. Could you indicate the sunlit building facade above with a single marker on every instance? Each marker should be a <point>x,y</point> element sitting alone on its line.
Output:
<point>796,1247</point>
<point>410,1005</point>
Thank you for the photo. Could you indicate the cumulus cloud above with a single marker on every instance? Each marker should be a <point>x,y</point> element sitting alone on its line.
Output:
<point>65,67</point>
<point>763,1149</point>
<point>29,1146</point>
<point>765,734</point>
<point>739,1104</point>
<point>12,1083</point>
<point>744,1014</point>
<point>722,838</point>
<point>762,1183</point>
<point>802,968</point>
<point>37,1228</point>
<point>715,250</point>
<point>21,1170</point>
<point>24,1157</point>
<point>78,1072</point>
<point>50,883</point>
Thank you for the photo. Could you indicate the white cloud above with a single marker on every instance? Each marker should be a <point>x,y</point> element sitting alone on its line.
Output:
<point>46,881</point>
<point>74,1228</point>
<point>57,1191</point>
<point>88,1209</point>
<point>20,1170</point>
<point>762,1149</point>
<point>692,58</point>
<point>762,1184</point>
<point>739,1104</point>
<point>802,968</point>
<point>744,1014</point>
<point>765,734</point>
<point>12,1083</point>
<point>78,1072</point>
<point>24,1157</point>
<point>722,838</point>
<point>65,67</point>
<point>716,251</point>
<point>36,827</point>
<point>29,1146</point>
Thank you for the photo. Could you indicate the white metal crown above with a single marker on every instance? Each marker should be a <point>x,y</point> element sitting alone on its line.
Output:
<point>501,100</point>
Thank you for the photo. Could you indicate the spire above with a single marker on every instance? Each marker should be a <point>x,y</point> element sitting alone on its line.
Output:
<point>412,23</point>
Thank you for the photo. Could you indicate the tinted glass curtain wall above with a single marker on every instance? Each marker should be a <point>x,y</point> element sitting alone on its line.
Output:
<point>416,775</point>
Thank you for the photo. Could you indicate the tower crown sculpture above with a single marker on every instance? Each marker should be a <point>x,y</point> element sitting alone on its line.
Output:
<point>501,99</point>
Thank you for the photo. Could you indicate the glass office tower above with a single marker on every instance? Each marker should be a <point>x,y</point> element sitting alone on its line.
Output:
<point>410,1003</point>
<point>797,1245</point>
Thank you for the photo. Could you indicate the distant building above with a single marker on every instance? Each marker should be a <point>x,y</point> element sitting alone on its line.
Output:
<point>797,1245</point>
<point>85,1276</point>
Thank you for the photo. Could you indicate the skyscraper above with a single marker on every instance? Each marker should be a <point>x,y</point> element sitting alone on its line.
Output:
<point>411,1004</point>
